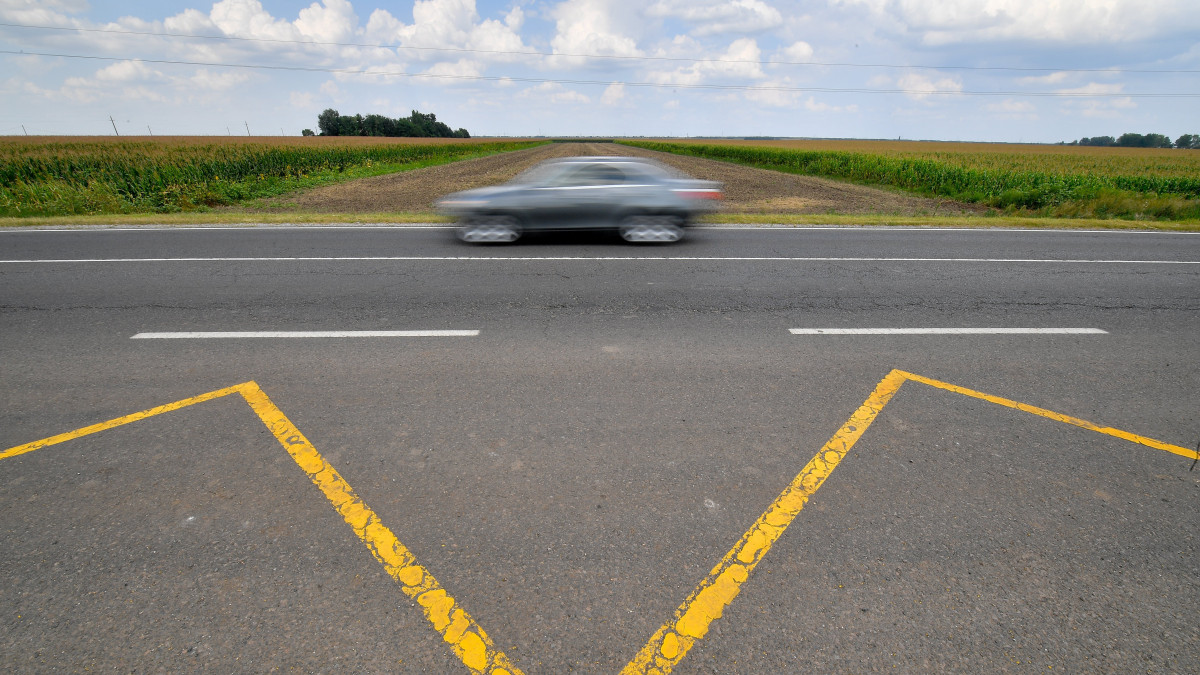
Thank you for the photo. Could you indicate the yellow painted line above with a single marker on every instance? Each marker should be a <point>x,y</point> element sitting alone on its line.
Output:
<point>464,635</point>
<point>448,618</point>
<point>1057,417</point>
<point>70,435</point>
<point>692,619</point>
<point>667,647</point>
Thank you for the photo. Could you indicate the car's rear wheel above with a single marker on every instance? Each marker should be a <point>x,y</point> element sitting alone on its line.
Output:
<point>650,230</point>
<point>490,230</point>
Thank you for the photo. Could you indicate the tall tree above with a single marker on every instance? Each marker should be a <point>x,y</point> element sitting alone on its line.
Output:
<point>327,122</point>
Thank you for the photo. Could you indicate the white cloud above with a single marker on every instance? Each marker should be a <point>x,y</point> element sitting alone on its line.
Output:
<point>247,18</point>
<point>303,100</point>
<point>740,61</point>
<point>814,105</point>
<point>1052,78</point>
<point>127,71</point>
<point>594,27</point>
<point>457,69</point>
<point>613,94</point>
<point>334,21</point>
<point>554,93</point>
<point>449,24</point>
<point>189,21</point>
<point>775,98</point>
<point>713,17</point>
<point>217,80</point>
<point>1094,88</point>
<point>41,12</point>
<point>1011,107</point>
<point>1108,108</point>
<point>798,51</point>
<point>1082,22</point>
<point>919,87</point>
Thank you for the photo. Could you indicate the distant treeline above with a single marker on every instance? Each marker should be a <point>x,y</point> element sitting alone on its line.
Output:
<point>1186,141</point>
<point>417,125</point>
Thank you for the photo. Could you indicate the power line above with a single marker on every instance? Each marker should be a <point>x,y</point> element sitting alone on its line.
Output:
<point>501,52</point>
<point>661,85</point>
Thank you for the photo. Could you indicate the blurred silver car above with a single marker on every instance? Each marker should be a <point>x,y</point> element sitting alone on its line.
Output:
<point>638,198</point>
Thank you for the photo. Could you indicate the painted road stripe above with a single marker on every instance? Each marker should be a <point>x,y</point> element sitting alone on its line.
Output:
<point>692,620</point>
<point>947,331</point>
<point>201,335</point>
<point>667,647</point>
<point>476,258</point>
<point>466,637</point>
<point>699,226</point>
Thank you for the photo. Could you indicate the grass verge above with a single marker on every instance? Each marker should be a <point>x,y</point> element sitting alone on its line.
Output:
<point>89,177</point>
<point>1043,186</point>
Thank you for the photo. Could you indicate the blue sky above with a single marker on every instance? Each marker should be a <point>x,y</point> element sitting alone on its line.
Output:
<point>973,70</point>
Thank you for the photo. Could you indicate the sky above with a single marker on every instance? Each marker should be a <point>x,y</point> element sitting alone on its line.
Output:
<point>1039,71</point>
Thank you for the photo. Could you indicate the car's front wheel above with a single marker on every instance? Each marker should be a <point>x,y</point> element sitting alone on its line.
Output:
<point>650,230</point>
<point>490,230</point>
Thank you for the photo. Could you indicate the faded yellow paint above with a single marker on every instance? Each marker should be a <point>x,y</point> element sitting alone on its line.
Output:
<point>437,605</point>
<point>471,649</point>
<point>670,646</point>
<point>1058,417</point>
<point>85,431</point>
<point>692,619</point>
<point>467,638</point>
<point>707,602</point>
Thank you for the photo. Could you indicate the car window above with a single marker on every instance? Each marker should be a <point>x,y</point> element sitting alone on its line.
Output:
<point>544,173</point>
<point>591,175</point>
<point>643,173</point>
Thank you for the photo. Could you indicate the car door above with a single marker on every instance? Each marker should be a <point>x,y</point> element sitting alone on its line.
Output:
<point>582,196</point>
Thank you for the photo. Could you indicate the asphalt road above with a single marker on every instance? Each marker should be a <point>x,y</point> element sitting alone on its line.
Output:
<point>571,473</point>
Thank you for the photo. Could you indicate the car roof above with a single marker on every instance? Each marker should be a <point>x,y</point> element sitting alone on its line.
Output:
<point>611,158</point>
<point>643,164</point>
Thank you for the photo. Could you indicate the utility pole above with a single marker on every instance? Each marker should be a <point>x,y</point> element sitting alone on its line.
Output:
<point>23,129</point>
<point>247,128</point>
<point>114,123</point>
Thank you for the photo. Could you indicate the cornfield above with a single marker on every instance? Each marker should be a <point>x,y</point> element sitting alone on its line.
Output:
<point>1055,180</point>
<point>70,176</point>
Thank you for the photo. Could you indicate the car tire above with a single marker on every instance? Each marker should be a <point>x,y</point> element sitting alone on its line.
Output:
<point>490,230</point>
<point>650,230</point>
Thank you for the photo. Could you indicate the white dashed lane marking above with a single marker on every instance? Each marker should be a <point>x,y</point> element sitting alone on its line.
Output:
<point>947,331</point>
<point>304,334</point>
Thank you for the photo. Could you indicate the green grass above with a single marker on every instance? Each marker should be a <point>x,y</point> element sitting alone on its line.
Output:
<point>60,178</point>
<point>1041,191</point>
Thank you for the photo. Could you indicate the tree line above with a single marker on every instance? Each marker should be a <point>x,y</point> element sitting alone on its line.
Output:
<point>418,124</point>
<point>1186,141</point>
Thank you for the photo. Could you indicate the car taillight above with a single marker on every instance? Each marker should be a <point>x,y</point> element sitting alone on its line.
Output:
<point>701,194</point>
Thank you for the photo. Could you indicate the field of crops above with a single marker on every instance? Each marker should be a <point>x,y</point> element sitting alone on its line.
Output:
<point>1041,179</point>
<point>47,176</point>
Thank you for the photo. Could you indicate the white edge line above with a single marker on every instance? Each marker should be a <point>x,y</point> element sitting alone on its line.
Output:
<point>947,331</point>
<point>1077,261</point>
<point>303,334</point>
<point>443,226</point>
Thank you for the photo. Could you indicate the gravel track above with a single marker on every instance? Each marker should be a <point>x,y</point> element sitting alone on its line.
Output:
<point>747,190</point>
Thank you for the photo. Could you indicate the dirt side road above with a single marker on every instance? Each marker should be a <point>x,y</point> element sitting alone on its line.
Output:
<point>747,190</point>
